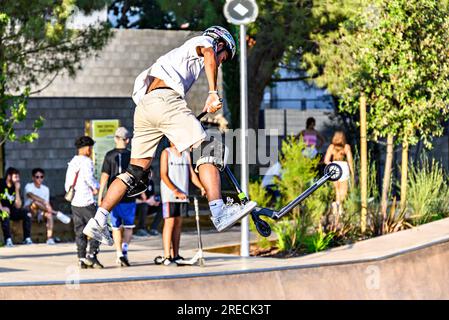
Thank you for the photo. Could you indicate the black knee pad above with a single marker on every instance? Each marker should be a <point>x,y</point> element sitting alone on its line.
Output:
<point>136,179</point>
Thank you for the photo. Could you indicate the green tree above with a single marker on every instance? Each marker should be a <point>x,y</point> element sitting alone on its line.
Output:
<point>36,43</point>
<point>395,53</point>
<point>280,30</point>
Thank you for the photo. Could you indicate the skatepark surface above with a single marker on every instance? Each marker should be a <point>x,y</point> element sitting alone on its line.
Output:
<point>411,264</point>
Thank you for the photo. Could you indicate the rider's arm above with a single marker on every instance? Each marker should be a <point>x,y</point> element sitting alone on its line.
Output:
<point>211,70</point>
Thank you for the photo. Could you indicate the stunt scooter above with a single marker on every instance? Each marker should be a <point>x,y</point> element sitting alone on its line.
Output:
<point>332,172</point>
<point>198,258</point>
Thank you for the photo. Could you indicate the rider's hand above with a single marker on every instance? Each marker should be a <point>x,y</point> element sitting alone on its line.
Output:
<point>179,195</point>
<point>213,103</point>
<point>203,192</point>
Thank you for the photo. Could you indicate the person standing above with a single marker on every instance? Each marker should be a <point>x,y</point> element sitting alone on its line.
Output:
<point>11,207</point>
<point>80,174</point>
<point>176,169</point>
<point>122,216</point>
<point>312,138</point>
<point>340,152</point>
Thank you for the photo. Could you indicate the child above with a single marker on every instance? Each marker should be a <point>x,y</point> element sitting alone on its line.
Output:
<point>176,168</point>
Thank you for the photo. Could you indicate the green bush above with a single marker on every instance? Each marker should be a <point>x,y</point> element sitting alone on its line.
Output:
<point>297,170</point>
<point>428,192</point>
<point>298,173</point>
<point>289,231</point>
<point>318,241</point>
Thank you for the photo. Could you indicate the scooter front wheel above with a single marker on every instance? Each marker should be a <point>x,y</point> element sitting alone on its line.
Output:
<point>334,170</point>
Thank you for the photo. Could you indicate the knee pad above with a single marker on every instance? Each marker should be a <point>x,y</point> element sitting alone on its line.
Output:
<point>214,152</point>
<point>136,180</point>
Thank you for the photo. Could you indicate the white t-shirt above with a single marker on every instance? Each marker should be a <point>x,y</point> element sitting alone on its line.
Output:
<point>273,171</point>
<point>42,192</point>
<point>179,68</point>
<point>85,182</point>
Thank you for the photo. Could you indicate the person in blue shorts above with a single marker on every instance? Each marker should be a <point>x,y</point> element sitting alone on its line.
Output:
<point>122,218</point>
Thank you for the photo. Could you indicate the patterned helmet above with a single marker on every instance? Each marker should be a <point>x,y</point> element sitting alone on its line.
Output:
<point>220,33</point>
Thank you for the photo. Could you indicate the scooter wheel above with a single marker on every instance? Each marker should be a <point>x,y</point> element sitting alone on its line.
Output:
<point>263,227</point>
<point>158,260</point>
<point>334,170</point>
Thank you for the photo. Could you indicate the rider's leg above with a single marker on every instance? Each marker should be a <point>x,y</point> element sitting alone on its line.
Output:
<point>96,228</point>
<point>213,158</point>
<point>210,178</point>
<point>116,191</point>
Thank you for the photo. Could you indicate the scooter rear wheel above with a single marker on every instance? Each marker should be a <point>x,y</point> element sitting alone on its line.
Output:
<point>262,226</point>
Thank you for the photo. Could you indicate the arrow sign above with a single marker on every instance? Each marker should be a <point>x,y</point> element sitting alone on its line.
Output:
<point>240,11</point>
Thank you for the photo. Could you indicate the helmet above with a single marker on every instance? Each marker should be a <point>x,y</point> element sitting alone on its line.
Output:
<point>220,33</point>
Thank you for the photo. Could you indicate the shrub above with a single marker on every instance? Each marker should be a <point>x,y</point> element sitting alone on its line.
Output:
<point>428,192</point>
<point>318,241</point>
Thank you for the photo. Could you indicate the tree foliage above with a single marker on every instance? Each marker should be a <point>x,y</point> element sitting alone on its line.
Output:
<point>281,28</point>
<point>37,43</point>
<point>395,52</point>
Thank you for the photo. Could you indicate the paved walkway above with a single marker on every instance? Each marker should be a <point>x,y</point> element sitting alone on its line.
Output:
<point>42,265</point>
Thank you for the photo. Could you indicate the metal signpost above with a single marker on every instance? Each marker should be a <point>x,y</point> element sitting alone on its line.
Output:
<point>242,12</point>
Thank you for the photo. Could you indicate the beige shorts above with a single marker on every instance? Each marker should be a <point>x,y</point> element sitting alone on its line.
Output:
<point>164,112</point>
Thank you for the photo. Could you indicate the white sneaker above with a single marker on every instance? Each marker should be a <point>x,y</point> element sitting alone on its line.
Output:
<point>231,213</point>
<point>9,243</point>
<point>62,217</point>
<point>97,232</point>
<point>27,241</point>
<point>51,241</point>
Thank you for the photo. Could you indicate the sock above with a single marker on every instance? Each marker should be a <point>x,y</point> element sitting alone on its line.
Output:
<point>102,216</point>
<point>124,248</point>
<point>216,207</point>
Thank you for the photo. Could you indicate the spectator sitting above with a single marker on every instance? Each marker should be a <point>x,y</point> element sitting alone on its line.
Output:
<point>37,201</point>
<point>11,207</point>
<point>148,203</point>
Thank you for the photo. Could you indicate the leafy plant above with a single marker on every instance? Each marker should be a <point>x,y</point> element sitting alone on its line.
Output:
<point>428,192</point>
<point>395,222</point>
<point>298,171</point>
<point>289,233</point>
<point>318,241</point>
